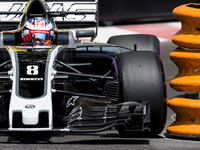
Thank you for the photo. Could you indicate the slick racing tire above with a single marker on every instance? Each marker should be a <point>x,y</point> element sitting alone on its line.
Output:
<point>141,78</point>
<point>137,42</point>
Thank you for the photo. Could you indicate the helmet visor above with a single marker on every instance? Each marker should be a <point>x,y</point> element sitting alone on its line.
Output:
<point>43,37</point>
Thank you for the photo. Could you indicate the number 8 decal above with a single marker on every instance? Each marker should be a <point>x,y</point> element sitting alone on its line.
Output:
<point>32,70</point>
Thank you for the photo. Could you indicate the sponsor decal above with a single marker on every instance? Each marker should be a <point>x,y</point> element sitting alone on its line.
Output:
<point>32,70</point>
<point>71,101</point>
<point>31,79</point>
<point>54,6</point>
<point>35,47</point>
<point>40,23</point>
<point>30,106</point>
<point>40,31</point>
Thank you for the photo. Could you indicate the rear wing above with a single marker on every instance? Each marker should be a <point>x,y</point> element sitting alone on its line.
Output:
<point>66,13</point>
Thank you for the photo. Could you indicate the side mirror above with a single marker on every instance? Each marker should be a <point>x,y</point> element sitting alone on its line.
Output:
<point>85,33</point>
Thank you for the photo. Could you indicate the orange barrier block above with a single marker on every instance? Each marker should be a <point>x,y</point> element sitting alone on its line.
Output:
<point>187,59</point>
<point>187,117</point>
<point>188,62</point>
<point>189,35</point>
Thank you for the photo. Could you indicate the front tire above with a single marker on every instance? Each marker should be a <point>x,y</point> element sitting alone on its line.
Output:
<point>141,78</point>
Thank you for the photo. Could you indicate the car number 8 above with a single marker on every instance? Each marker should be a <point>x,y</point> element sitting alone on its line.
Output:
<point>32,70</point>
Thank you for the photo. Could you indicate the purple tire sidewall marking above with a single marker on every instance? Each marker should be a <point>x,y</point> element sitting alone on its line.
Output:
<point>116,70</point>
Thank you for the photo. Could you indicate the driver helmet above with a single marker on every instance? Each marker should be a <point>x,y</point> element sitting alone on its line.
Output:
<point>39,30</point>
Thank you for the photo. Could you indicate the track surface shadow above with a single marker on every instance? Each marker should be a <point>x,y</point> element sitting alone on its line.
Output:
<point>85,139</point>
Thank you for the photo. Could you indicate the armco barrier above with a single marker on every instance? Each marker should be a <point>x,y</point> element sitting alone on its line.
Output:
<point>187,59</point>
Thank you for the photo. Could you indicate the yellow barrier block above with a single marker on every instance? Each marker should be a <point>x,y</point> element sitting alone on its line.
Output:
<point>189,34</point>
<point>187,117</point>
<point>188,62</point>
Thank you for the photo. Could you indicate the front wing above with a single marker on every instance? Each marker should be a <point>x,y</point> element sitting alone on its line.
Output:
<point>83,119</point>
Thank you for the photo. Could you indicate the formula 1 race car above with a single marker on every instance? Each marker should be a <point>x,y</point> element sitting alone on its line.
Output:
<point>51,80</point>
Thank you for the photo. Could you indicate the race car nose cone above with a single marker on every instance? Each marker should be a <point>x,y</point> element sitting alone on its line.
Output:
<point>30,116</point>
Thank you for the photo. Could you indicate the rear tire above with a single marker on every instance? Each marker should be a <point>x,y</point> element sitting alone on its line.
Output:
<point>137,42</point>
<point>141,78</point>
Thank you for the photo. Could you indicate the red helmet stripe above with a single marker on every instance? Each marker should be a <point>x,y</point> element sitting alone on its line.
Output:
<point>29,36</point>
<point>24,39</point>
